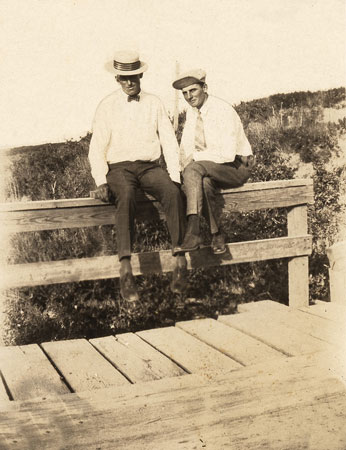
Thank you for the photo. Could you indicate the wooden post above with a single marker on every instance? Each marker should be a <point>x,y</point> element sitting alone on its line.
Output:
<point>298,267</point>
<point>176,100</point>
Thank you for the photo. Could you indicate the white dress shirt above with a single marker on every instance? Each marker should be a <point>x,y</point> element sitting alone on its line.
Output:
<point>130,131</point>
<point>223,130</point>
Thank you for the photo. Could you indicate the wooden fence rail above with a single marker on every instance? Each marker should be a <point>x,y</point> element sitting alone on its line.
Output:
<point>294,195</point>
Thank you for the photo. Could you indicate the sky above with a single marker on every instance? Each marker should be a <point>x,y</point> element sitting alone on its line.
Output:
<point>53,52</point>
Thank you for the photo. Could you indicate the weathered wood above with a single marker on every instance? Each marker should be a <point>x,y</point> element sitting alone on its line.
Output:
<point>278,336</point>
<point>51,272</point>
<point>190,353</point>
<point>298,320</point>
<point>69,213</point>
<point>275,370</point>
<point>298,267</point>
<point>233,343</point>
<point>28,373</point>
<point>260,305</point>
<point>331,311</point>
<point>264,411</point>
<point>82,366</point>
<point>135,358</point>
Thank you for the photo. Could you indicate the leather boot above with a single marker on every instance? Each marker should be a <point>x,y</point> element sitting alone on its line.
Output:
<point>218,244</point>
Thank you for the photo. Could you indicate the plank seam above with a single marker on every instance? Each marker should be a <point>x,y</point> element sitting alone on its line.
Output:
<point>112,363</point>
<point>7,389</point>
<point>62,377</point>
<point>164,354</point>
<point>213,346</point>
<point>260,340</point>
<point>312,313</point>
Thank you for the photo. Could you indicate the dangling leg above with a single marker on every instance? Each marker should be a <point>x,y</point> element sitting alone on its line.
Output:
<point>123,184</point>
<point>193,188</point>
<point>157,182</point>
<point>212,213</point>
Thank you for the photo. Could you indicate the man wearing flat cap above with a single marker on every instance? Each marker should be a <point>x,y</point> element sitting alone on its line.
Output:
<point>215,153</point>
<point>129,129</point>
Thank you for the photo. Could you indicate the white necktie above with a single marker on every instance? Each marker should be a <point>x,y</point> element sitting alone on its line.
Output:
<point>200,144</point>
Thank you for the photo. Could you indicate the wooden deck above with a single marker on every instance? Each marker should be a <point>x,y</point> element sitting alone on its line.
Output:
<point>270,377</point>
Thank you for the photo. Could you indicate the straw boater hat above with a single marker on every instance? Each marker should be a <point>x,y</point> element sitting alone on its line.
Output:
<point>191,77</point>
<point>126,63</point>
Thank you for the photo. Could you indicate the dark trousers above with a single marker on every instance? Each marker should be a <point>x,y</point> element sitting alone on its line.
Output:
<point>202,180</point>
<point>124,179</point>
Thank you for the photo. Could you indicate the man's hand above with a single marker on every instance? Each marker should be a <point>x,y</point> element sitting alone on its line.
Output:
<point>102,192</point>
<point>248,161</point>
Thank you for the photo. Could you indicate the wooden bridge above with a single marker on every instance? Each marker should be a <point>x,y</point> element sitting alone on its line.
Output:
<point>270,377</point>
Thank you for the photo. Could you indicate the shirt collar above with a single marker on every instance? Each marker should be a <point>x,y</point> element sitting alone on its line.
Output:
<point>125,95</point>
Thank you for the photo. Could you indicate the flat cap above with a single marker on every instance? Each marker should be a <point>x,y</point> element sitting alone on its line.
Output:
<point>191,77</point>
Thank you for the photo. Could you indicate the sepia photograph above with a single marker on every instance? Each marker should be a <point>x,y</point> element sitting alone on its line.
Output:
<point>173,224</point>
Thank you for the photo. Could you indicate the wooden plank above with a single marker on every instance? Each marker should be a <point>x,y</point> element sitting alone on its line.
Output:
<point>298,267</point>
<point>261,305</point>
<point>51,272</point>
<point>190,353</point>
<point>233,343</point>
<point>330,311</point>
<point>279,336</point>
<point>135,358</point>
<point>89,201</point>
<point>282,370</point>
<point>69,213</point>
<point>315,326</point>
<point>230,413</point>
<point>28,373</point>
<point>82,366</point>
<point>267,199</point>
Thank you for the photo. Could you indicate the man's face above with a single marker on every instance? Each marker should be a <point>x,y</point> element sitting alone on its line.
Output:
<point>130,84</point>
<point>195,95</point>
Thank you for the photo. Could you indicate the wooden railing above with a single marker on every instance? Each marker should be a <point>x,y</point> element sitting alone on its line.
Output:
<point>57,214</point>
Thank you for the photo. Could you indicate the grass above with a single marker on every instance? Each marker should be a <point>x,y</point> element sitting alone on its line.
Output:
<point>285,135</point>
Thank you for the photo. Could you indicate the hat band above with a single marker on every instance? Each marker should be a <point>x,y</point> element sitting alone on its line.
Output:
<point>126,66</point>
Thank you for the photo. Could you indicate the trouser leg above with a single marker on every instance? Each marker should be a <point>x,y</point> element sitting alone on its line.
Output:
<point>156,182</point>
<point>201,181</point>
<point>123,185</point>
<point>193,187</point>
<point>211,210</point>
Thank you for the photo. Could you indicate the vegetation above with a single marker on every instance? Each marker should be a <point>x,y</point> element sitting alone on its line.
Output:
<point>286,132</point>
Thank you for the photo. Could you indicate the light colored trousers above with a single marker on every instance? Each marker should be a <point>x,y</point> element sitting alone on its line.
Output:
<point>203,179</point>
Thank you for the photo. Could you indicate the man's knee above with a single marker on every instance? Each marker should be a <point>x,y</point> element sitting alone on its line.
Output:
<point>192,170</point>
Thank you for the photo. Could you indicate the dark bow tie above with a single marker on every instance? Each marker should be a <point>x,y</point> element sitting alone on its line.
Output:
<point>131,98</point>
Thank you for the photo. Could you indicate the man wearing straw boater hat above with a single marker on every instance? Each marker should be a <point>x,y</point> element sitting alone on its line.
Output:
<point>129,129</point>
<point>215,153</point>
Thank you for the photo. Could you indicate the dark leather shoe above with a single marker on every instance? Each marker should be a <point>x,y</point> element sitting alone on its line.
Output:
<point>191,242</point>
<point>218,244</point>
<point>179,280</point>
<point>128,289</point>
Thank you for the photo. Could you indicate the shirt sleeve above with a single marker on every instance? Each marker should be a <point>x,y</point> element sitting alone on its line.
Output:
<point>169,144</point>
<point>98,146</point>
<point>186,144</point>
<point>225,136</point>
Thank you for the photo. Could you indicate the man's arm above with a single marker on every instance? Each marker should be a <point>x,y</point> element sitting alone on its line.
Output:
<point>98,146</point>
<point>169,144</point>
